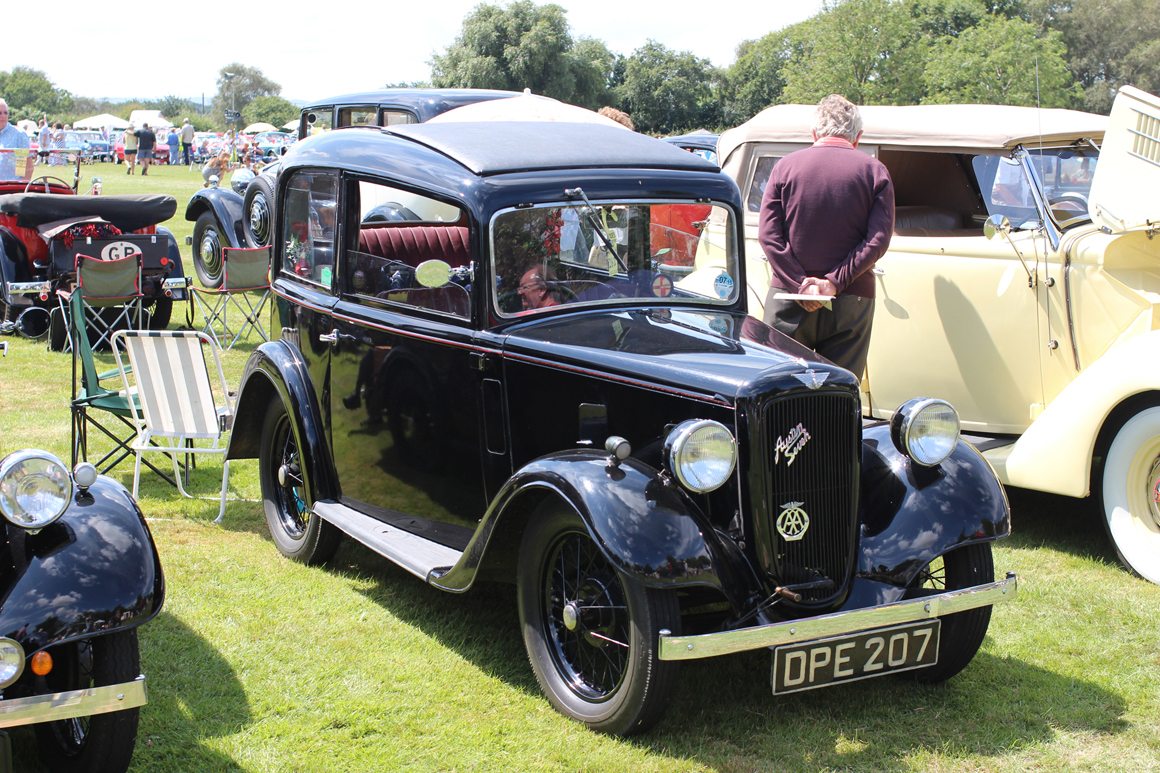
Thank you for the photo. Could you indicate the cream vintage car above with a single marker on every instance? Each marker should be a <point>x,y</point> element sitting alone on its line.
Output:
<point>1041,329</point>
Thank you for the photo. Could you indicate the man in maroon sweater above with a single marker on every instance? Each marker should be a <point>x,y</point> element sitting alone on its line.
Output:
<point>826,217</point>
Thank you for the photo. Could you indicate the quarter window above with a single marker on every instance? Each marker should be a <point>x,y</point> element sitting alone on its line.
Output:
<point>311,214</point>
<point>761,175</point>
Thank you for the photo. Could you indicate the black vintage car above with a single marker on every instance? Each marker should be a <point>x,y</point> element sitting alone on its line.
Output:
<point>78,574</point>
<point>224,217</point>
<point>484,368</point>
<point>33,268</point>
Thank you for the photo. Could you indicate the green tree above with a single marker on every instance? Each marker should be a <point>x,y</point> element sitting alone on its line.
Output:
<point>995,63</point>
<point>946,18</point>
<point>668,92</point>
<point>239,85</point>
<point>30,94</point>
<point>174,108</point>
<point>520,46</point>
<point>869,51</point>
<point>1109,43</point>
<point>754,81</point>
<point>273,110</point>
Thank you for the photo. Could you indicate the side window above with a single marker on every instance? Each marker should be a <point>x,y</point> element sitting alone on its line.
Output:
<point>396,117</point>
<point>400,231</point>
<point>760,180</point>
<point>318,121</point>
<point>311,210</point>
<point>363,115</point>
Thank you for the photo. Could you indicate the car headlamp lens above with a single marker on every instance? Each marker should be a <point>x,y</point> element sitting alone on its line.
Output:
<point>35,488</point>
<point>11,661</point>
<point>701,454</point>
<point>926,430</point>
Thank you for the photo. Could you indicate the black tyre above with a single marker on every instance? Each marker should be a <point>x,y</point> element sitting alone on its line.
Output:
<point>298,533</point>
<point>592,633</point>
<point>207,251</point>
<point>962,633</point>
<point>102,743</point>
<point>160,312</point>
<point>258,212</point>
<point>57,331</point>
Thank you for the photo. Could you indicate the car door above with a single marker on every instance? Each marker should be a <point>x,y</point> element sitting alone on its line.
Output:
<point>404,402</point>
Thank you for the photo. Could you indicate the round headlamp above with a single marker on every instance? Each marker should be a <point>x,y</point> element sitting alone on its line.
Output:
<point>926,430</point>
<point>35,488</point>
<point>701,453</point>
<point>11,661</point>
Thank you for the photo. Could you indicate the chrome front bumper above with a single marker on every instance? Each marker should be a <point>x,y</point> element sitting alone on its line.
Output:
<point>75,703</point>
<point>837,624</point>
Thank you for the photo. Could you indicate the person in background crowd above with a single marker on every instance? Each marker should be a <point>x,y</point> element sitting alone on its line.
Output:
<point>11,138</point>
<point>104,133</point>
<point>218,165</point>
<point>57,159</point>
<point>232,146</point>
<point>826,217</point>
<point>187,137</point>
<point>146,139</point>
<point>45,136</point>
<point>129,138</point>
<point>171,141</point>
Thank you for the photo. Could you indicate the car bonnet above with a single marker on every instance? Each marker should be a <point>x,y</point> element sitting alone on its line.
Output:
<point>1123,193</point>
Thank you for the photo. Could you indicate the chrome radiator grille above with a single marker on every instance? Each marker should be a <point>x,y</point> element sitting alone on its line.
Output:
<point>814,478</point>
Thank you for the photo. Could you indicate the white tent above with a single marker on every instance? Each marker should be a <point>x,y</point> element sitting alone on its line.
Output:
<point>104,119</point>
<point>152,117</point>
<point>26,126</point>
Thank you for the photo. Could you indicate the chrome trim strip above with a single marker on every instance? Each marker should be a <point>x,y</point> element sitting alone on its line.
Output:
<point>837,624</point>
<point>410,551</point>
<point>75,703</point>
<point>29,288</point>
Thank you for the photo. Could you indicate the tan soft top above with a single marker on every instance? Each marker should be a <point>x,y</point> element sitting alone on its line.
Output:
<point>987,127</point>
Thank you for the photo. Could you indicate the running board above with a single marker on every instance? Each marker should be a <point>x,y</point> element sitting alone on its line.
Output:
<point>418,556</point>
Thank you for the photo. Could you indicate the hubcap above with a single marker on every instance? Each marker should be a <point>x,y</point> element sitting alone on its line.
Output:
<point>1154,492</point>
<point>260,219</point>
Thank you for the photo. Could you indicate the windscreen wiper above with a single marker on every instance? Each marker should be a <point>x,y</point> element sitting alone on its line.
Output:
<point>589,212</point>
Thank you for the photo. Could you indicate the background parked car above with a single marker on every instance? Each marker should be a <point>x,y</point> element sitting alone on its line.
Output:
<point>1044,336</point>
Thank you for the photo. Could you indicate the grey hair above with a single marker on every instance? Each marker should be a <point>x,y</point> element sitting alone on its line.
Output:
<point>837,116</point>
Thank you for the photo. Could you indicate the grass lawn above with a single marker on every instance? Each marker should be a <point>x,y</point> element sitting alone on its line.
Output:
<point>261,664</point>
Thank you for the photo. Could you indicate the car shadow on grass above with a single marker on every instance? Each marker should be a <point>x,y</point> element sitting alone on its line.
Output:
<point>194,695</point>
<point>724,716</point>
<point>1074,526</point>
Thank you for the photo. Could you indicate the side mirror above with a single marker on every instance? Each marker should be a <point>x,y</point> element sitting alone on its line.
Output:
<point>996,225</point>
<point>433,273</point>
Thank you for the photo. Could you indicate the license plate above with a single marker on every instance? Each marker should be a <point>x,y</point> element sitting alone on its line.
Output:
<point>824,662</point>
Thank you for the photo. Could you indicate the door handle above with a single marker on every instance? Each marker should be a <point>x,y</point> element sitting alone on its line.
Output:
<point>334,337</point>
<point>877,271</point>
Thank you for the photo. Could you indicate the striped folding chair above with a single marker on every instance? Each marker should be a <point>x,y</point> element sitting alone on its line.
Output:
<point>244,271</point>
<point>177,412</point>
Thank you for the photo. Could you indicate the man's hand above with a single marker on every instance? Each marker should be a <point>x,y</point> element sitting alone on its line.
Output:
<point>816,286</point>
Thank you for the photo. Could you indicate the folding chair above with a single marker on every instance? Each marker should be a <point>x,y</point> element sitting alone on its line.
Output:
<point>89,399</point>
<point>243,271</point>
<point>175,404</point>
<point>111,294</point>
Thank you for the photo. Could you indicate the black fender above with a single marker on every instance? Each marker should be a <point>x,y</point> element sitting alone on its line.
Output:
<point>93,571</point>
<point>910,514</point>
<point>13,266</point>
<point>641,521</point>
<point>226,206</point>
<point>276,371</point>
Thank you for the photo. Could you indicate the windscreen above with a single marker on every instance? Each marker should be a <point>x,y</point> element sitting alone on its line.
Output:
<point>607,252</point>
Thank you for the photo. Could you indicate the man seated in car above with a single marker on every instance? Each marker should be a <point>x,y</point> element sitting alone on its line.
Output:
<point>534,290</point>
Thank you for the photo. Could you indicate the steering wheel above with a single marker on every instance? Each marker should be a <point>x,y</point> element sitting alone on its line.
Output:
<point>1071,198</point>
<point>46,178</point>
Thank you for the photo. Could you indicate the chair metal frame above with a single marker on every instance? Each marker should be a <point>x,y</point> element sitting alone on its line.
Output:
<point>250,275</point>
<point>175,404</point>
<point>101,275</point>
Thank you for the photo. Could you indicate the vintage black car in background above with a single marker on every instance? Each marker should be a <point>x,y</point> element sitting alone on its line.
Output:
<point>241,215</point>
<point>78,574</point>
<point>485,368</point>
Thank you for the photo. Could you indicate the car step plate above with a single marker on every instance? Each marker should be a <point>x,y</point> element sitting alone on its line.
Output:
<point>823,662</point>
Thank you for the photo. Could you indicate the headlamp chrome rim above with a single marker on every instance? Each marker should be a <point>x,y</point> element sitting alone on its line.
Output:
<point>902,424</point>
<point>676,444</point>
<point>12,660</point>
<point>11,508</point>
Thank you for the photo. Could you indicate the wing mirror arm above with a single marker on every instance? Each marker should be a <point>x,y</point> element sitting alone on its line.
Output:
<point>997,225</point>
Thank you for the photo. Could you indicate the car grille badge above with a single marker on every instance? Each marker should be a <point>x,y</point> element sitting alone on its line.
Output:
<point>812,378</point>
<point>793,521</point>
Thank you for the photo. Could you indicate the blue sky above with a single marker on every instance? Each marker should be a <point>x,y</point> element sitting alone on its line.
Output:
<point>327,47</point>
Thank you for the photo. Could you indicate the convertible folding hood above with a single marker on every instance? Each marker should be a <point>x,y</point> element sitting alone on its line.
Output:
<point>1123,194</point>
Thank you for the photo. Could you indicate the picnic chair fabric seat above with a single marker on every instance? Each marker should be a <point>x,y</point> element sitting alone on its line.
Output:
<point>175,406</point>
<point>111,294</point>
<point>244,271</point>
<point>90,400</point>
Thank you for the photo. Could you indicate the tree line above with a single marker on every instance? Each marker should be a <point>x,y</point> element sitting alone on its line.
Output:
<point>1055,53</point>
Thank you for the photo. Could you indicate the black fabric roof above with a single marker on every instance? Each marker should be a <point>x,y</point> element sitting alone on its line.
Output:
<point>128,212</point>
<point>500,147</point>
